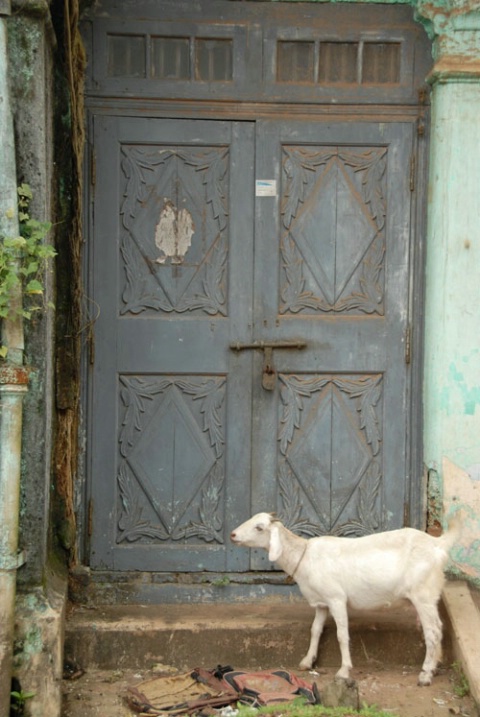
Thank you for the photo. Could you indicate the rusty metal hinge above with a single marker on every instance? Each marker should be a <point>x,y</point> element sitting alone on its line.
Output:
<point>422,101</point>
<point>408,344</point>
<point>413,165</point>
<point>91,344</point>
<point>93,168</point>
<point>90,518</point>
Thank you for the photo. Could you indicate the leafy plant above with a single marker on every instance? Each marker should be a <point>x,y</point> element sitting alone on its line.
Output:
<point>23,259</point>
<point>460,682</point>
<point>221,582</point>
<point>18,700</point>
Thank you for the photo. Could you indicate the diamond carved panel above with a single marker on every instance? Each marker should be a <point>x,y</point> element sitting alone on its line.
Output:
<point>330,453</point>
<point>171,462</point>
<point>171,445</point>
<point>333,244</point>
<point>174,220</point>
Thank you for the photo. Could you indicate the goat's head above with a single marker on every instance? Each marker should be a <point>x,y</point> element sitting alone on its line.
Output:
<point>261,531</point>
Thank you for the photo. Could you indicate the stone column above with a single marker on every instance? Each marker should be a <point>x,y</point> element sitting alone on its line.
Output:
<point>452,310</point>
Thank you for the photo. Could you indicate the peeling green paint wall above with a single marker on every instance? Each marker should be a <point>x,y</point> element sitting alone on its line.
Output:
<point>452,353</point>
<point>452,310</point>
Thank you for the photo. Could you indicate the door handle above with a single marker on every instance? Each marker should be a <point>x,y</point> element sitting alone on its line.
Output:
<point>269,374</point>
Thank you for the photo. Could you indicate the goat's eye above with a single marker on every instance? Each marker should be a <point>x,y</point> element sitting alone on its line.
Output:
<point>259,528</point>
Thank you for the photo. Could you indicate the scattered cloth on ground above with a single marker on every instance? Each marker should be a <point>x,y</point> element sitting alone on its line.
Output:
<point>179,694</point>
<point>202,691</point>
<point>267,687</point>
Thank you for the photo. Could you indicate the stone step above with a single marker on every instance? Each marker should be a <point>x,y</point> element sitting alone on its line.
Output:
<point>258,636</point>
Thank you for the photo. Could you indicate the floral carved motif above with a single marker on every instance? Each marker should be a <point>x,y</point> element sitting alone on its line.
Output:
<point>202,174</point>
<point>304,171</point>
<point>366,392</point>
<point>294,390</point>
<point>292,513</point>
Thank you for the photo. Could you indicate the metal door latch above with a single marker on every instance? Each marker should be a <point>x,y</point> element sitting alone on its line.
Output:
<point>269,373</point>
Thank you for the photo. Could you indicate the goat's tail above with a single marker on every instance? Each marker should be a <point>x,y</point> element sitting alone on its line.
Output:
<point>453,532</point>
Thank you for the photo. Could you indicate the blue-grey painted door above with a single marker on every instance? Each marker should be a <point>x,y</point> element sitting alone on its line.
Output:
<point>332,269</point>
<point>211,236</point>
<point>173,243</point>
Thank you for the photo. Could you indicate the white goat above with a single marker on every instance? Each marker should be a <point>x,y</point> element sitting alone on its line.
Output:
<point>363,573</point>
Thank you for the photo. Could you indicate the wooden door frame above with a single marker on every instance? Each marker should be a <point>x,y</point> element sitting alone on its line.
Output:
<point>414,508</point>
<point>252,111</point>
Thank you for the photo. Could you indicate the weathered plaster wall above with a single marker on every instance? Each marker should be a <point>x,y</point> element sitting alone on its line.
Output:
<point>460,489</point>
<point>452,312</point>
<point>40,594</point>
<point>38,648</point>
<point>30,67</point>
<point>452,364</point>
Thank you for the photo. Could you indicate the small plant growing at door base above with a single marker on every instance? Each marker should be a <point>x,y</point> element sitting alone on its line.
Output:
<point>221,582</point>
<point>460,682</point>
<point>23,259</point>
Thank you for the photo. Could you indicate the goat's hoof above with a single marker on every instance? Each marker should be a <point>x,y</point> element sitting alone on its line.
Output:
<point>343,675</point>
<point>305,665</point>
<point>424,679</point>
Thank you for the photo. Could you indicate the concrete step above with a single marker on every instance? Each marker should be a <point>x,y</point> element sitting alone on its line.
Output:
<point>261,635</point>
<point>462,603</point>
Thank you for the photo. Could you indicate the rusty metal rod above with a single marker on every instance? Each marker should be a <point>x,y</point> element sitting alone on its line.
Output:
<point>262,345</point>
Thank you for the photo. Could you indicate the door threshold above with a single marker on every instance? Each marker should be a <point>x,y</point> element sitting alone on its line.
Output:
<point>101,587</point>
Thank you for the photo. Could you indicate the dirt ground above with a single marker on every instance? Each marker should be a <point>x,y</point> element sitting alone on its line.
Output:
<point>101,693</point>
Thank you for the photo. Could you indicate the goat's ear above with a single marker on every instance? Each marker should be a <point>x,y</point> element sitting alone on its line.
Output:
<point>275,547</point>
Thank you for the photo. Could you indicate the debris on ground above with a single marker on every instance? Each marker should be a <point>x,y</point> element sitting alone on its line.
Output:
<point>101,693</point>
<point>200,691</point>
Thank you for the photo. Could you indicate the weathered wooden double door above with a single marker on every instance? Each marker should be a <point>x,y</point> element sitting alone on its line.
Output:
<point>253,282</point>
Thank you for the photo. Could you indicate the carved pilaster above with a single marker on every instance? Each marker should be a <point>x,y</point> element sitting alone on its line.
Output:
<point>455,31</point>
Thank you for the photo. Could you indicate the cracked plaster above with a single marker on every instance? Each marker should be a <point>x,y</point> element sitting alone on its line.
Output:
<point>462,493</point>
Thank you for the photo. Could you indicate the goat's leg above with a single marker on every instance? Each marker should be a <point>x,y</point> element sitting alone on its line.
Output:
<point>432,632</point>
<point>339,614</point>
<point>315,634</point>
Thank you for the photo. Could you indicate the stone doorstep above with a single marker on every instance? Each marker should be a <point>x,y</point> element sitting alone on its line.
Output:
<point>464,620</point>
<point>265,635</point>
<point>257,636</point>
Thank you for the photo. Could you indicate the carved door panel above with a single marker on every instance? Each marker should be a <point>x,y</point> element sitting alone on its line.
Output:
<point>332,269</point>
<point>172,281</point>
<point>185,441</point>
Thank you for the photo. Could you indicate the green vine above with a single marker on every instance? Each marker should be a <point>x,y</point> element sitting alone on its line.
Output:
<point>23,260</point>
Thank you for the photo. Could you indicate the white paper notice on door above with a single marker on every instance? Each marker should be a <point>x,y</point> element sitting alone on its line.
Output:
<point>266,188</point>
